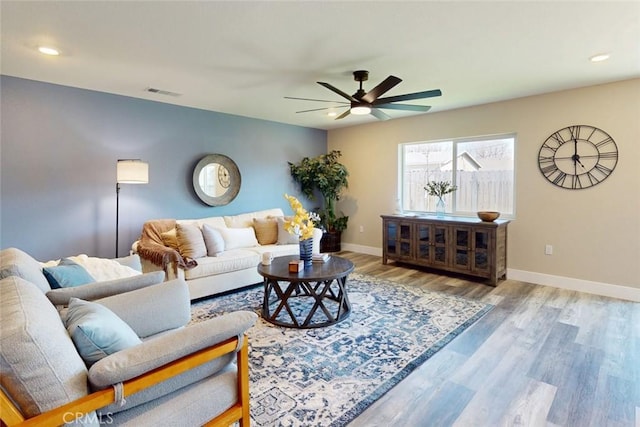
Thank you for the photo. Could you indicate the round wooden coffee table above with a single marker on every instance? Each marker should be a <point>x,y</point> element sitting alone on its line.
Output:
<point>312,298</point>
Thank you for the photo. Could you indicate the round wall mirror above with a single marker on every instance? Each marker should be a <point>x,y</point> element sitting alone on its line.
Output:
<point>216,180</point>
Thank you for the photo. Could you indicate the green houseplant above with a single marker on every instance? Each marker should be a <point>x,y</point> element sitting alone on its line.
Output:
<point>440,189</point>
<point>326,175</point>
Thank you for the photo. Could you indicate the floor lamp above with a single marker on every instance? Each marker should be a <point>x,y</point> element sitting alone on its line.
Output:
<point>129,171</point>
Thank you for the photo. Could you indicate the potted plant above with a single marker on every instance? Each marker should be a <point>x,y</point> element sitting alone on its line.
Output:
<point>328,176</point>
<point>440,189</point>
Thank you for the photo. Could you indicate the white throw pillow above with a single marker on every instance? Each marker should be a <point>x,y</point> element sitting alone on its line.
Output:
<point>101,269</point>
<point>284,237</point>
<point>213,240</point>
<point>235,238</point>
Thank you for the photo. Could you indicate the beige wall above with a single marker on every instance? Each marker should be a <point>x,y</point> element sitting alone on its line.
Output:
<point>595,232</point>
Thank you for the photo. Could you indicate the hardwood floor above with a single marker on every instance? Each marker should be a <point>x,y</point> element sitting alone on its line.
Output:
<point>542,357</point>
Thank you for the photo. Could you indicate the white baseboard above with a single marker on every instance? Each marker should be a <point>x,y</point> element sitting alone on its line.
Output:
<point>369,250</point>
<point>580,285</point>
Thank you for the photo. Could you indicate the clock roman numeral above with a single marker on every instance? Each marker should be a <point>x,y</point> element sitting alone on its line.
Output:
<point>575,181</point>
<point>604,142</point>
<point>603,169</point>
<point>559,180</point>
<point>548,170</point>
<point>575,132</point>
<point>593,130</point>
<point>545,159</point>
<point>558,138</point>
<point>592,178</point>
<point>611,155</point>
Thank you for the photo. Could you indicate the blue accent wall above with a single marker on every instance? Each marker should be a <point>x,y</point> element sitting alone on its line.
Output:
<point>59,149</point>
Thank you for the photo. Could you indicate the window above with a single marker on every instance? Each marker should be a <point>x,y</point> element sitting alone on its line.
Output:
<point>482,168</point>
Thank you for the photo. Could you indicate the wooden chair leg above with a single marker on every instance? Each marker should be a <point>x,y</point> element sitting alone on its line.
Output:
<point>243,381</point>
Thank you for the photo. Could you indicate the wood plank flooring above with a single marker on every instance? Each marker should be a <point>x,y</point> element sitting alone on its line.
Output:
<point>541,357</point>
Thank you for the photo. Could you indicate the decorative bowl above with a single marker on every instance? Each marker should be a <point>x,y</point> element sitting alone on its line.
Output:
<point>488,216</point>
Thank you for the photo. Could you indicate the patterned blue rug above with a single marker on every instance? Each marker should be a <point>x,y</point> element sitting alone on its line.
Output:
<point>328,376</point>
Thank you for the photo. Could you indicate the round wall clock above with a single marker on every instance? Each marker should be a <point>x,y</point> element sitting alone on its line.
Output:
<point>223,177</point>
<point>578,157</point>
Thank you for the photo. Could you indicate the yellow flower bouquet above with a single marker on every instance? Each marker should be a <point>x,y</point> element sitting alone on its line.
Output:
<point>303,221</point>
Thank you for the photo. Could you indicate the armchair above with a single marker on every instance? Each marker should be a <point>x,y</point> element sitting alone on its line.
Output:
<point>182,375</point>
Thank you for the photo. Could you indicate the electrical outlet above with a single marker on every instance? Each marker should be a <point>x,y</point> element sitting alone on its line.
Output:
<point>362,228</point>
<point>548,250</point>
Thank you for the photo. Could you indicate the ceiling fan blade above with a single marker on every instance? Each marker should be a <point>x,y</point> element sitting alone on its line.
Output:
<point>407,107</point>
<point>343,115</point>
<point>386,85</point>
<point>338,91</point>
<point>408,97</point>
<point>320,109</point>
<point>318,100</point>
<point>379,114</point>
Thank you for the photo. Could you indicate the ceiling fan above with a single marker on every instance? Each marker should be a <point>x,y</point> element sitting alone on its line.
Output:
<point>362,102</point>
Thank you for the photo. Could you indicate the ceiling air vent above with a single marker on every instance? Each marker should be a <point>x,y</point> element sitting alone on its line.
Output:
<point>162,92</point>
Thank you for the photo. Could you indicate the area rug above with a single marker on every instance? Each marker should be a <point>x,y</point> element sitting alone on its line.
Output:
<point>328,376</point>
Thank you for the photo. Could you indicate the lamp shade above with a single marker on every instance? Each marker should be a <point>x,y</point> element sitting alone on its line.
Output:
<point>132,171</point>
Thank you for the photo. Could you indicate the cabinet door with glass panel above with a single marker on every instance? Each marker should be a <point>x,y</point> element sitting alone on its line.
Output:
<point>398,240</point>
<point>481,244</point>
<point>463,250</point>
<point>432,241</point>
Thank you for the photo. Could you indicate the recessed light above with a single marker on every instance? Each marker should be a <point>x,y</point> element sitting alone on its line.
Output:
<point>599,57</point>
<point>48,51</point>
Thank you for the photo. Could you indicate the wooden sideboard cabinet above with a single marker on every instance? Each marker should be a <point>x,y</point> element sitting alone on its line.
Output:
<point>457,244</point>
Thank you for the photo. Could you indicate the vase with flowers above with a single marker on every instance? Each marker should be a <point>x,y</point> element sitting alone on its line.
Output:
<point>440,189</point>
<point>302,224</point>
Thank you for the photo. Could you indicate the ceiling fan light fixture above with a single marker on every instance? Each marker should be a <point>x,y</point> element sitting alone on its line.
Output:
<point>360,110</point>
<point>599,57</point>
<point>46,50</point>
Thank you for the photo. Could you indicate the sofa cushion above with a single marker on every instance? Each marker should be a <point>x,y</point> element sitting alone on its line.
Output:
<point>232,260</point>
<point>266,230</point>
<point>104,289</point>
<point>278,250</point>
<point>237,238</point>
<point>14,262</point>
<point>96,331</point>
<point>213,240</point>
<point>284,237</point>
<point>246,220</point>
<point>170,239</point>
<point>129,261</point>
<point>212,221</point>
<point>153,310</point>
<point>41,368</point>
<point>190,241</point>
<point>67,274</point>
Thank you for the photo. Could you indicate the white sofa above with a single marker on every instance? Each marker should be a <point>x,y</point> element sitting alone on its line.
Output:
<point>232,268</point>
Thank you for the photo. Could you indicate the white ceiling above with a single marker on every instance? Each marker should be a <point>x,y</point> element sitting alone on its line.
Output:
<point>244,57</point>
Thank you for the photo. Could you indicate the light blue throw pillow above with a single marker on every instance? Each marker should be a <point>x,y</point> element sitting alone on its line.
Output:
<point>97,331</point>
<point>67,274</point>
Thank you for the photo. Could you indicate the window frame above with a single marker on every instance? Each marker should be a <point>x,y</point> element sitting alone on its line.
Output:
<point>454,151</point>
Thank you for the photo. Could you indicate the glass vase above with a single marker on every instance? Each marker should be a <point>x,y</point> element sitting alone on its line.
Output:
<point>306,252</point>
<point>440,208</point>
